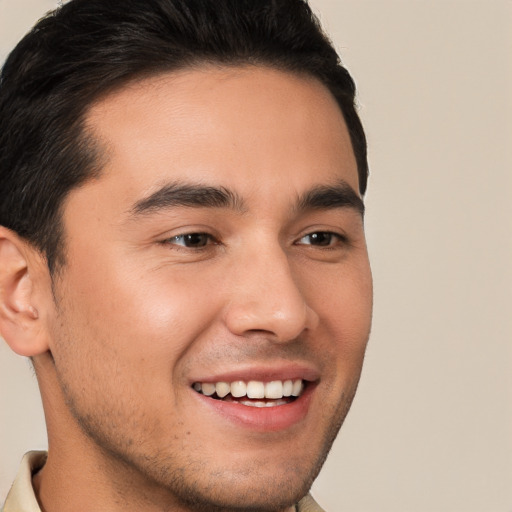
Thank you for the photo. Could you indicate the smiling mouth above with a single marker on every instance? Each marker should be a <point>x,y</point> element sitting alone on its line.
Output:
<point>253,393</point>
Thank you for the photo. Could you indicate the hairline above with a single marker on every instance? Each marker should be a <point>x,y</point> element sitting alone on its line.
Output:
<point>99,146</point>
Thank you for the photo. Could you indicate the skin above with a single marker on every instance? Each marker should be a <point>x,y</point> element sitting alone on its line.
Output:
<point>138,316</point>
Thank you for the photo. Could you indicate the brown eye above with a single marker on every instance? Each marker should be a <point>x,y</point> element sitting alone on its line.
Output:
<point>321,239</point>
<point>192,240</point>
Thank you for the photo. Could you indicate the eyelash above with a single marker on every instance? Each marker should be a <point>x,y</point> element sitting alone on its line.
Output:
<point>341,239</point>
<point>209,240</point>
<point>184,236</point>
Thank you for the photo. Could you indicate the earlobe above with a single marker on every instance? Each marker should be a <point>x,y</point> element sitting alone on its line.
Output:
<point>20,318</point>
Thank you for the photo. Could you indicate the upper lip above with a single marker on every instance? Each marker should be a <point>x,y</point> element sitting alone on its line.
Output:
<point>263,373</point>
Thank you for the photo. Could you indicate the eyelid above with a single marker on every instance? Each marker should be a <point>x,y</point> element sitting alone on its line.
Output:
<point>170,240</point>
<point>342,237</point>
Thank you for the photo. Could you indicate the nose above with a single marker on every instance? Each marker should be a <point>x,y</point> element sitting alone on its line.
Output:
<point>266,298</point>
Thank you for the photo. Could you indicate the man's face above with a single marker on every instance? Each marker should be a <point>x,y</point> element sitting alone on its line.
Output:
<point>222,244</point>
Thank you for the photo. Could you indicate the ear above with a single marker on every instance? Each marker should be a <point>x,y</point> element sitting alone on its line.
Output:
<point>23,272</point>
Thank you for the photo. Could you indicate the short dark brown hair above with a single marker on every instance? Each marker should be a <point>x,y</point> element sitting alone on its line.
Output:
<point>87,48</point>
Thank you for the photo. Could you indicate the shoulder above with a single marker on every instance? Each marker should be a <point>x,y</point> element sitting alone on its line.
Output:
<point>308,504</point>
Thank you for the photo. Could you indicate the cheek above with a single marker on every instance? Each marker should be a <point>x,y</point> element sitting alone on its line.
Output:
<point>343,296</point>
<point>147,318</point>
<point>343,303</point>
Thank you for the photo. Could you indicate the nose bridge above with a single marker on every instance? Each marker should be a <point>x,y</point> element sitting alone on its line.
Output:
<point>267,298</point>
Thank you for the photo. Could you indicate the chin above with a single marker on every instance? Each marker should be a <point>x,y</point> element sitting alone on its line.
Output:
<point>246,493</point>
<point>244,483</point>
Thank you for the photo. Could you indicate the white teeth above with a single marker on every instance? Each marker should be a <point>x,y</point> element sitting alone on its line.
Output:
<point>297,387</point>
<point>208,389</point>
<point>222,389</point>
<point>255,389</point>
<point>275,390</point>
<point>287,387</point>
<point>238,388</point>
<point>274,403</point>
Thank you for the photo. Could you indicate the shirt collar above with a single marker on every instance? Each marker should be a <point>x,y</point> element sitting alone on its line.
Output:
<point>21,497</point>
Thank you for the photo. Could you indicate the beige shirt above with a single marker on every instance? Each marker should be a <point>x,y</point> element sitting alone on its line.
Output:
<point>21,497</point>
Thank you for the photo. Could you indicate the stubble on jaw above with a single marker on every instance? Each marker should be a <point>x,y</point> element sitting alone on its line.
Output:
<point>160,476</point>
<point>130,465</point>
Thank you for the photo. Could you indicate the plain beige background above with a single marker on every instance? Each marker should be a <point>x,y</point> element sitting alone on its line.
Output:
<point>431,427</point>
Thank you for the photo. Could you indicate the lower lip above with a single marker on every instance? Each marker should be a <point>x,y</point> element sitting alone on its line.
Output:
<point>265,419</point>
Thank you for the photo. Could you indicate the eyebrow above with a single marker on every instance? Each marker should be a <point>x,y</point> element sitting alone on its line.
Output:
<point>174,195</point>
<point>326,197</point>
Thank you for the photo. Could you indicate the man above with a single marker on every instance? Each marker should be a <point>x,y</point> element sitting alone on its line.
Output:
<point>182,252</point>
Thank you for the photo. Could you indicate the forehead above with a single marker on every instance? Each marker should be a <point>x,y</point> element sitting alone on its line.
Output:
<point>254,128</point>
